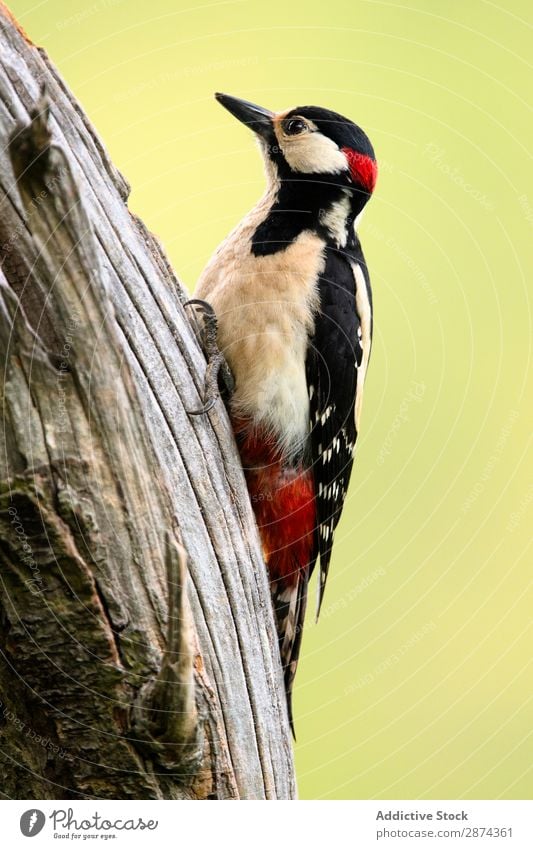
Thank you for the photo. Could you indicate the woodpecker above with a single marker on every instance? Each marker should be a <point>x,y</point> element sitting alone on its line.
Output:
<point>291,293</point>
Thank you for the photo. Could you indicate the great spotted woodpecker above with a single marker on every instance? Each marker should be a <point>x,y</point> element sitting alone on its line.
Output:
<point>291,293</point>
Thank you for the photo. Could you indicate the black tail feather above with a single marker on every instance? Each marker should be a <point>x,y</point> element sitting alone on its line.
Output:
<point>289,608</point>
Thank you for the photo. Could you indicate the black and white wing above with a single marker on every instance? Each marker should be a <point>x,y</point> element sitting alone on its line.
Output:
<point>336,363</point>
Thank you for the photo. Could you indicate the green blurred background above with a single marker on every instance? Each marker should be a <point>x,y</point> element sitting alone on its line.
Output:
<point>417,682</point>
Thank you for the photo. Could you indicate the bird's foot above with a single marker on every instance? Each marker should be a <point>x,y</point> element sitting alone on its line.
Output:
<point>217,366</point>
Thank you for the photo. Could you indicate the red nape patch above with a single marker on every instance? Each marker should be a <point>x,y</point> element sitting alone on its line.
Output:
<point>364,169</point>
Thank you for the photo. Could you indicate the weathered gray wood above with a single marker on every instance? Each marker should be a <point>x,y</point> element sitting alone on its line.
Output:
<point>103,475</point>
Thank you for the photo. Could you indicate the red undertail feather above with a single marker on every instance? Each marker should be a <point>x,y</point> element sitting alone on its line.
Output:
<point>283,501</point>
<point>284,505</point>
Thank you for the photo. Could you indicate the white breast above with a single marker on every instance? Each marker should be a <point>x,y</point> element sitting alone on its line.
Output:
<point>266,307</point>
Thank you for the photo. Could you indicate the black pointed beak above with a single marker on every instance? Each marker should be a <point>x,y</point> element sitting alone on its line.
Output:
<point>258,119</point>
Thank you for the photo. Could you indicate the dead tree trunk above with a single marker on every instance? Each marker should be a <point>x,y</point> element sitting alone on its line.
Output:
<point>138,653</point>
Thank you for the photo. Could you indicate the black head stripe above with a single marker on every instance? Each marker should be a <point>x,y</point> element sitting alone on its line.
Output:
<point>343,131</point>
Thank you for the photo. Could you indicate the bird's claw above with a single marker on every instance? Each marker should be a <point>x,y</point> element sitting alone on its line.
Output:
<point>216,364</point>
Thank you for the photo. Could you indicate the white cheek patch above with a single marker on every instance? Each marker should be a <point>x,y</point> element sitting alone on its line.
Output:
<point>312,153</point>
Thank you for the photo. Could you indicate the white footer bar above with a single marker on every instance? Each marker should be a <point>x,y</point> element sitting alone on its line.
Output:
<point>274,825</point>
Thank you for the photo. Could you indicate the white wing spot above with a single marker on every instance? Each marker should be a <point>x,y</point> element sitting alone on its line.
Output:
<point>325,415</point>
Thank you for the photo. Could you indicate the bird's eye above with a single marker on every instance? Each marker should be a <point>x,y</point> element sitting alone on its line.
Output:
<point>294,126</point>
